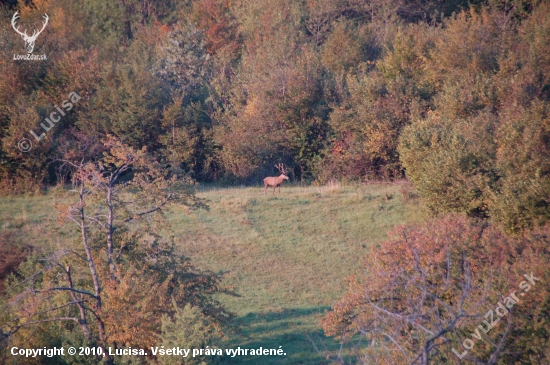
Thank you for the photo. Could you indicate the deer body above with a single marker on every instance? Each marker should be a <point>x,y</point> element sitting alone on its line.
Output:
<point>275,181</point>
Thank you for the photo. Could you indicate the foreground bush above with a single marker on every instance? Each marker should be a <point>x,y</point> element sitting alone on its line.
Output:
<point>112,282</point>
<point>429,289</point>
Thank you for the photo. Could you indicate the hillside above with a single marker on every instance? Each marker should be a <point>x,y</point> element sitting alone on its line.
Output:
<point>287,255</point>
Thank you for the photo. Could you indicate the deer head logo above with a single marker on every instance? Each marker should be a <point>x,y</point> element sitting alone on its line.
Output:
<point>29,40</point>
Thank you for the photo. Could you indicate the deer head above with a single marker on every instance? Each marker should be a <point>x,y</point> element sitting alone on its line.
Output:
<point>29,40</point>
<point>282,170</point>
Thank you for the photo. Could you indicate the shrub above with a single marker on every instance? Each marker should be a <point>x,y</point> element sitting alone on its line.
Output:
<point>449,161</point>
<point>188,329</point>
<point>425,290</point>
<point>522,196</point>
<point>12,253</point>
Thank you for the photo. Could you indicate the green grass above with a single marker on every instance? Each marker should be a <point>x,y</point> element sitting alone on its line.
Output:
<point>287,256</point>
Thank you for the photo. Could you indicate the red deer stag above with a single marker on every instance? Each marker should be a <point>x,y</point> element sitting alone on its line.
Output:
<point>275,181</point>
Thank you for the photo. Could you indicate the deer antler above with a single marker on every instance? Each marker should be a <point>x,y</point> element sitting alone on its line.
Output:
<point>25,36</point>
<point>13,20</point>
<point>36,32</point>
<point>280,167</point>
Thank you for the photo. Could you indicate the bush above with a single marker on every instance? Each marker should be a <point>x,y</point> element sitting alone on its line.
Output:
<point>188,329</point>
<point>12,253</point>
<point>449,161</point>
<point>430,286</point>
<point>522,195</point>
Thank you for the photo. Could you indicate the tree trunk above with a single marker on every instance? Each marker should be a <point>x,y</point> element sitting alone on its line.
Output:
<point>91,264</point>
<point>83,322</point>
<point>112,267</point>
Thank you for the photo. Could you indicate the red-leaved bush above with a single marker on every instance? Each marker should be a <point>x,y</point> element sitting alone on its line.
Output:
<point>429,289</point>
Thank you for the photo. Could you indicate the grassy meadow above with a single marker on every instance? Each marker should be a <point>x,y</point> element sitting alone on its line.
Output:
<point>286,255</point>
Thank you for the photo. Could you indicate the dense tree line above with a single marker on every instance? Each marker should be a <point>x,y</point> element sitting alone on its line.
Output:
<point>337,89</point>
<point>443,92</point>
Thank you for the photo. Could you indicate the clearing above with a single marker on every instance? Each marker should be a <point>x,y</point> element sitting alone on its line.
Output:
<point>287,255</point>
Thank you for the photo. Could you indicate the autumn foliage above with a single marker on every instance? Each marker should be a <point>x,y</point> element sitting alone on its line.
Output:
<point>451,95</point>
<point>427,288</point>
<point>117,278</point>
<point>335,89</point>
